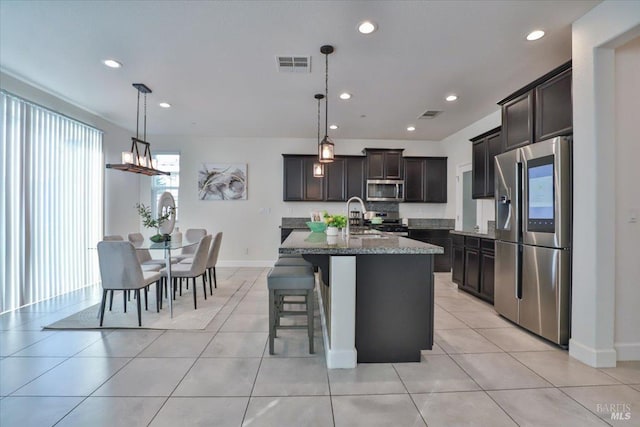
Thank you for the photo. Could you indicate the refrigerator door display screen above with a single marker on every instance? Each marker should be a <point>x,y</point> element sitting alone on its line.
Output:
<point>541,196</point>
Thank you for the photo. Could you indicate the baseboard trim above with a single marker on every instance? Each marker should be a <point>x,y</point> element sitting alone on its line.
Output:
<point>627,351</point>
<point>605,358</point>
<point>246,263</point>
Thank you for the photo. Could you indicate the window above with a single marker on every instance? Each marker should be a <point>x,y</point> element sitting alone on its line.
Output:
<point>51,194</point>
<point>168,162</point>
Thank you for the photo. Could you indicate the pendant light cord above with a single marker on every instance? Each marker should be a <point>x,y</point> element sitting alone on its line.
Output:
<point>318,121</point>
<point>145,117</point>
<point>138,117</point>
<point>326,95</point>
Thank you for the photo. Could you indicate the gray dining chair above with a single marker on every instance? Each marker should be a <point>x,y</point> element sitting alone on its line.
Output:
<point>120,270</point>
<point>144,256</point>
<point>191,235</point>
<point>192,270</point>
<point>212,260</point>
<point>112,238</point>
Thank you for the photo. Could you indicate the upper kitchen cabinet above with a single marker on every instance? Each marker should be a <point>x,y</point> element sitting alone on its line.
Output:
<point>335,183</point>
<point>343,178</point>
<point>517,121</point>
<point>384,163</point>
<point>425,179</point>
<point>554,109</point>
<point>299,184</point>
<point>539,111</point>
<point>485,148</point>
<point>355,176</point>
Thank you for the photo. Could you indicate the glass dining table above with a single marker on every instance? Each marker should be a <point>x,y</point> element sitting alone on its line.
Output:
<point>167,247</point>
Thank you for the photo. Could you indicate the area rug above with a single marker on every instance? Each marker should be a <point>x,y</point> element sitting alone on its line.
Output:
<point>184,315</point>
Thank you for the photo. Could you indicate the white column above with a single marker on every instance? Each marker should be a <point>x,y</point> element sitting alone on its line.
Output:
<point>594,36</point>
<point>342,352</point>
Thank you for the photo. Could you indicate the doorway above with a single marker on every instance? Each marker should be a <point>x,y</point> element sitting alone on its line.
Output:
<point>466,207</point>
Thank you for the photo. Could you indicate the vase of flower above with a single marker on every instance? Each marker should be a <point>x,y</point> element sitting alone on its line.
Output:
<point>334,223</point>
<point>150,222</point>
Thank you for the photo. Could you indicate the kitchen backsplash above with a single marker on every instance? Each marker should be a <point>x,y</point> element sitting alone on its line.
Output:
<point>434,223</point>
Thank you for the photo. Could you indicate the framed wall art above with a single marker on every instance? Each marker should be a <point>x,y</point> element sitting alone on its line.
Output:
<point>222,181</point>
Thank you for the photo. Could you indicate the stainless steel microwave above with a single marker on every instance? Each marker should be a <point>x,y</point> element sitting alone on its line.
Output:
<point>385,190</point>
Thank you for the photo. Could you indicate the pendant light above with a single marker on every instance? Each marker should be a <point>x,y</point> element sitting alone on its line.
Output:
<point>139,159</point>
<point>318,168</point>
<point>326,147</point>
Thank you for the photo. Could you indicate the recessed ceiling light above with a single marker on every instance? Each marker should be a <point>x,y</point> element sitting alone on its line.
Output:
<point>367,27</point>
<point>345,95</point>
<point>165,105</point>
<point>411,128</point>
<point>112,63</point>
<point>535,35</point>
<point>334,127</point>
<point>451,98</point>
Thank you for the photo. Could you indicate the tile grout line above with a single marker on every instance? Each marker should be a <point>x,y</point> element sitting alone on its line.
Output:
<point>410,396</point>
<point>253,386</point>
<point>485,391</point>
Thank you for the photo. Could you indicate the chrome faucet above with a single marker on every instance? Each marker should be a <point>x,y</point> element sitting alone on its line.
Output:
<point>364,210</point>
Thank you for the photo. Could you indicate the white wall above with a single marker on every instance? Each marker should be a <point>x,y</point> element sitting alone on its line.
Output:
<point>627,177</point>
<point>251,233</point>
<point>458,146</point>
<point>121,189</point>
<point>595,36</point>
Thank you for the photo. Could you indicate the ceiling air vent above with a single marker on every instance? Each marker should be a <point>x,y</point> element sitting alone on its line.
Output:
<point>430,114</point>
<point>294,64</point>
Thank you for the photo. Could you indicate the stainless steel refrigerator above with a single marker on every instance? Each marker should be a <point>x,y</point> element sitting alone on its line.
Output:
<point>533,199</point>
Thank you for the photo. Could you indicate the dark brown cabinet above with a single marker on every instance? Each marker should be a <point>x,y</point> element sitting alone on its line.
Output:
<point>487,263</point>
<point>473,265</point>
<point>457,263</point>
<point>384,164</point>
<point>485,148</point>
<point>471,270</point>
<point>335,183</point>
<point>425,179</point>
<point>517,122</point>
<point>441,262</point>
<point>539,111</point>
<point>554,113</point>
<point>299,184</point>
<point>343,178</point>
<point>355,167</point>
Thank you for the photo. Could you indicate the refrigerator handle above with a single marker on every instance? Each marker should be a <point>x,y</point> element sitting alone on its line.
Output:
<point>519,256</point>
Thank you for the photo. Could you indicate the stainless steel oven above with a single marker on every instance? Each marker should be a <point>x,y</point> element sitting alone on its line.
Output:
<point>385,190</point>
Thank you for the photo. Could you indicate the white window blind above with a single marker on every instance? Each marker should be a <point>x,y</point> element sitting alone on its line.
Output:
<point>51,193</point>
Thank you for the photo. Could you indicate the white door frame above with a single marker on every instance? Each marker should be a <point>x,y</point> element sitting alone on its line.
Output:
<point>460,169</point>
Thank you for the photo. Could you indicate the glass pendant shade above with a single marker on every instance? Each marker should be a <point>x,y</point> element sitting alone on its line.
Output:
<point>318,170</point>
<point>127,157</point>
<point>326,151</point>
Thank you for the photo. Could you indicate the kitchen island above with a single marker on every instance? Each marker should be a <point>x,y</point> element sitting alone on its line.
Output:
<point>375,292</point>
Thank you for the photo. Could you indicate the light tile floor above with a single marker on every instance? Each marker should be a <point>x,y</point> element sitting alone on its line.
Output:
<point>482,371</point>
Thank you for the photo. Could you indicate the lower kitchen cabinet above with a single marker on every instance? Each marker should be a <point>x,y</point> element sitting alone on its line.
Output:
<point>471,270</point>
<point>473,265</point>
<point>487,262</point>
<point>441,262</point>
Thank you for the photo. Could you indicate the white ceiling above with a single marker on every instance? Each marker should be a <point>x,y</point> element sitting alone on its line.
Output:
<point>215,61</point>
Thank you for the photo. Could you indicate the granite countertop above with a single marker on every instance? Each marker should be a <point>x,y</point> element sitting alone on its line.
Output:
<point>303,242</point>
<point>490,235</point>
<point>428,227</point>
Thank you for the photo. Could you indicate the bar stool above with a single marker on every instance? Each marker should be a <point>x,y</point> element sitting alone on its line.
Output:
<point>284,281</point>
<point>297,261</point>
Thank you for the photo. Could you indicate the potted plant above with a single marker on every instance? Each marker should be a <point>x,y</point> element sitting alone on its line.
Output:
<point>334,223</point>
<point>150,222</point>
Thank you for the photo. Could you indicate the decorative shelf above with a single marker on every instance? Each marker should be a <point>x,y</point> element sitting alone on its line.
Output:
<point>127,167</point>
